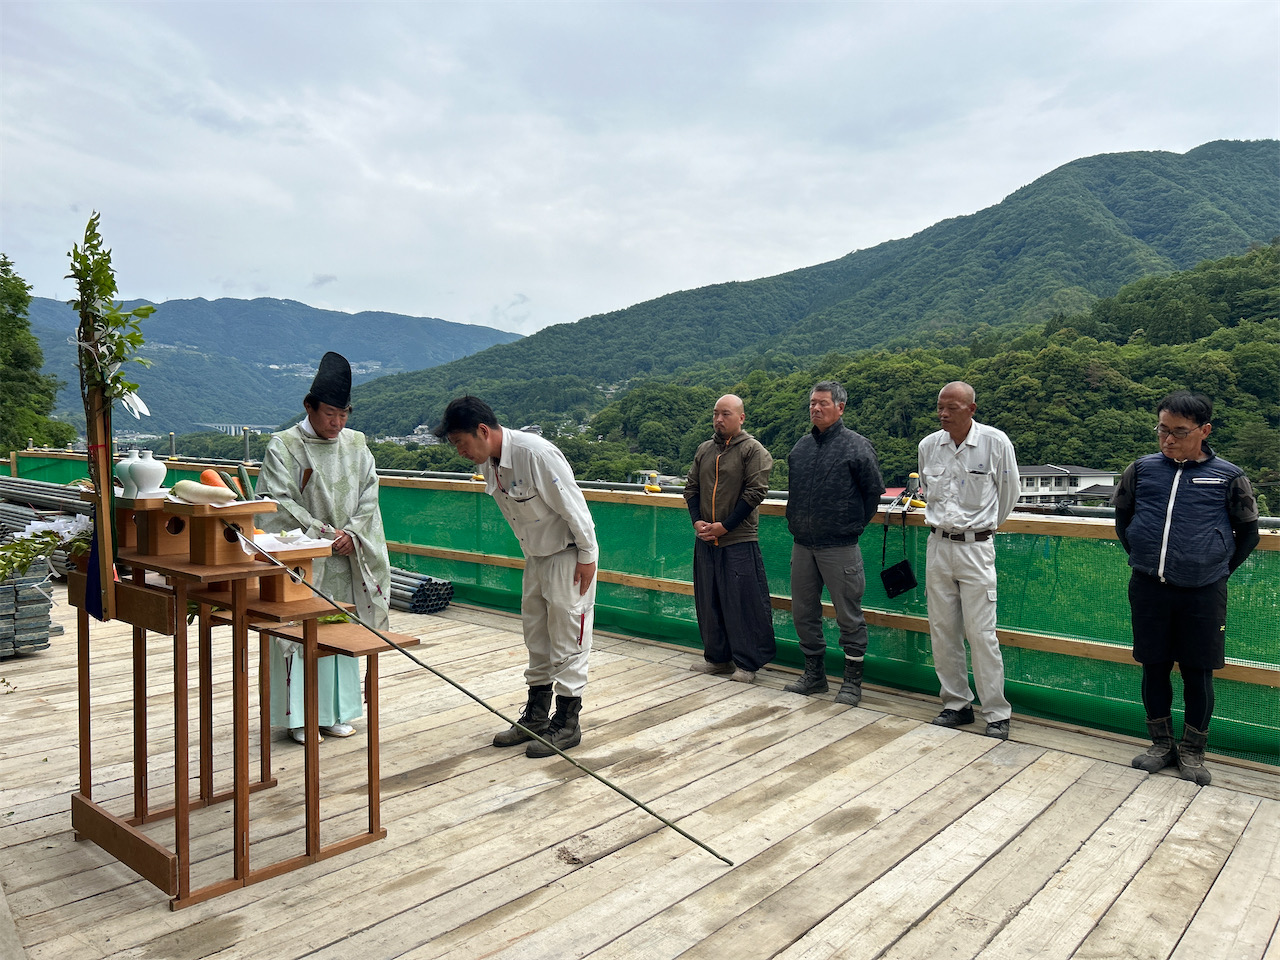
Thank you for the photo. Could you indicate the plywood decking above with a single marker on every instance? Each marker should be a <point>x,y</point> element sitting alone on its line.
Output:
<point>855,833</point>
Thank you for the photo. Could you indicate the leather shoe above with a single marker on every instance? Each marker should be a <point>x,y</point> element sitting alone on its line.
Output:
<point>998,729</point>
<point>954,718</point>
<point>743,676</point>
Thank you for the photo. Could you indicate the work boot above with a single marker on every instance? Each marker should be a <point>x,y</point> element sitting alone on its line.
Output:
<point>814,678</point>
<point>1163,752</point>
<point>534,717</point>
<point>564,731</point>
<point>1191,756</point>
<point>851,686</point>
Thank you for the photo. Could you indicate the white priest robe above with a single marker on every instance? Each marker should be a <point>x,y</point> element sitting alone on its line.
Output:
<point>323,486</point>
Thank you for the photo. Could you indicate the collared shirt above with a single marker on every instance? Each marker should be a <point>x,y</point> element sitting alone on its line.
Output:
<point>970,487</point>
<point>535,490</point>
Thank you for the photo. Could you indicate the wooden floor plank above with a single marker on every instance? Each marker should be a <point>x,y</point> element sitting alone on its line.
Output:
<point>1063,913</point>
<point>962,925</point>
<point>891,906</point>
<point>814,841</point>
<point>855,832</point>
<point>798,777</point>
<point>579,867</point>
<point>1239,916</point>
<point>510,844</point>
<point>1149,918</point>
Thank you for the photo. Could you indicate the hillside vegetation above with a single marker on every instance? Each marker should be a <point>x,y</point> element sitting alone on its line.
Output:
<point>1054,247</point>
<point>252,360</point>
<point>1078,389</point>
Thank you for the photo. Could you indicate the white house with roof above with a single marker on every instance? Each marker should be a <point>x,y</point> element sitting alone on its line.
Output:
<point>1053,483</point>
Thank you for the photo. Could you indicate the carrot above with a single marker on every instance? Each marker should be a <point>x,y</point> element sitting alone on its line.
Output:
<point>210,478</point>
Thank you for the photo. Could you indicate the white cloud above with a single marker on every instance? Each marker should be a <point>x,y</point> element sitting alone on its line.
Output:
<point>520,164</point>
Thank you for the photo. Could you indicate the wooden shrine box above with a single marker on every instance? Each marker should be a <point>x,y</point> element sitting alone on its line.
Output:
<point>213,543</point>
<point>126,527</point>
<point>145,525</point>
<point>160,532</point>
<point>282,588</point>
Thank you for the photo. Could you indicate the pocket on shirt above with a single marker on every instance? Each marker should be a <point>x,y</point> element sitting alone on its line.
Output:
<point>932,481</point>
<point>977,490</point>
<point>533,509</point>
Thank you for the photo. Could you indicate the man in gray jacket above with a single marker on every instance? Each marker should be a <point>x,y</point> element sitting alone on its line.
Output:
<point>834,491</point>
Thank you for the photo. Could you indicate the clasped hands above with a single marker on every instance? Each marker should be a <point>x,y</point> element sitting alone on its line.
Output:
<point>709,531</point>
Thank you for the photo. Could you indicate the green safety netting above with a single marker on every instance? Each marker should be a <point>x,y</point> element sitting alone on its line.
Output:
<point>1060,586</point>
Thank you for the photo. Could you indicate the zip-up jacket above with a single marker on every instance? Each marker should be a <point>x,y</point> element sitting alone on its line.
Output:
<point>1189,524</point>
<point>834,487</point>
<point>727,483</point>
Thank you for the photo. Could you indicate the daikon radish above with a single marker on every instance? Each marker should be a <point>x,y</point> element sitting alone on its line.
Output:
<point>193,492</point>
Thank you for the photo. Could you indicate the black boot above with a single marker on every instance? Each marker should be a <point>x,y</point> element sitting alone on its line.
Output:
<point>535,717</point>
<point>1191,756</point>
<point>814,678</point>
<point>564,731</point>
<point>851,687</point>
<point>1163,752</point>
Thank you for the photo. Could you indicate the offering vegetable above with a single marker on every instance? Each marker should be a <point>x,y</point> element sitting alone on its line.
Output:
<point>193,492</point>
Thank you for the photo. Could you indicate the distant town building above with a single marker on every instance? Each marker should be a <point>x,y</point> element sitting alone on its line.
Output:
<point>1055,483</point>
<point>235,429</point>
<point>422,436</point>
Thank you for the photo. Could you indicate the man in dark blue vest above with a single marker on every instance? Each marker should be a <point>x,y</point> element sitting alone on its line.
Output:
<point>1187,518</point>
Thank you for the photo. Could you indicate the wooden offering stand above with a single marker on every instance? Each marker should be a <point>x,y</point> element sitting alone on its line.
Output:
<point>229,587</point>
<point>146,524</point>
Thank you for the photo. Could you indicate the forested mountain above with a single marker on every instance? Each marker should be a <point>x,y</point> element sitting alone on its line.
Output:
<point>1073,390</point>
<point>1078,389</point>
<point>251,361</point>
<point>1054,247</point>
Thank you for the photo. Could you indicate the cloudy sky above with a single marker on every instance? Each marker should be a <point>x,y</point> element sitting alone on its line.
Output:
<point>523,164</point>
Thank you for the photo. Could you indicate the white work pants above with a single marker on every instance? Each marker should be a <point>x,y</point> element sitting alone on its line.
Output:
<point>557,623</point>
<point>960,585</point>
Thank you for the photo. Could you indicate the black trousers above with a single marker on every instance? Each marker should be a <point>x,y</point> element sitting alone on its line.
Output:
<point>731,596</point>
<point>1186,625</point>
<point>1183,625</point>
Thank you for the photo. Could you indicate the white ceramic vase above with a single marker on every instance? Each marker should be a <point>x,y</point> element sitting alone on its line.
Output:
<point>148,473</point>
<point>124,473</point>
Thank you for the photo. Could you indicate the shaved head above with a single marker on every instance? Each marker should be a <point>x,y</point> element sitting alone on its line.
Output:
<point>960,390</point>
<point>728,417</point>
<point>956,407</point>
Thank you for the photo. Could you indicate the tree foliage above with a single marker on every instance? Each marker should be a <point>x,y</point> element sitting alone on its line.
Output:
<point>26,396</point>
<point>1063,396</point>
<point>1051,249</point>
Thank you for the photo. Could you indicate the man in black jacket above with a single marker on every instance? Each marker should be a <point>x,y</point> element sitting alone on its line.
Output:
<point>834,489</point>
<point>1187,518</point>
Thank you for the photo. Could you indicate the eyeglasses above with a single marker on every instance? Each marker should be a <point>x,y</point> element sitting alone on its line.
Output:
<point>1181,433</point>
